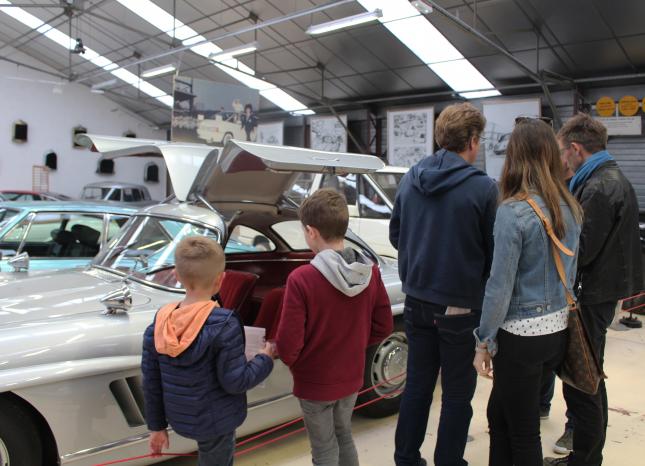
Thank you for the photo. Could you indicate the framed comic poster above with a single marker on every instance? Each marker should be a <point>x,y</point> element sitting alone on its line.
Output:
<point>327,133</point>
<point>410,135</point>
<point>500,120</point>
<point>271,133</point>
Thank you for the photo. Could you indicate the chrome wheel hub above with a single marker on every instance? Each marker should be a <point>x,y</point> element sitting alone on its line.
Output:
<point>389,365</point>
<point>4,454</point>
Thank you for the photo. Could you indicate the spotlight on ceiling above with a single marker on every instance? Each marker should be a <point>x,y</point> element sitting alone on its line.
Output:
<point>233,52</point>
<point>422,7</point>
<point>345,22</point>
<point>158,71</point>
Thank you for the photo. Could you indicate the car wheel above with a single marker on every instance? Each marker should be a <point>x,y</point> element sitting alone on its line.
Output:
<point>20,444</point>
<point>384,365</point>
<point>227,137</point>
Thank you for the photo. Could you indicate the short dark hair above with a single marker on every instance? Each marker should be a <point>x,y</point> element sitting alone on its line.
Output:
<point>456,124</point>
<point>326,210</point>
<point>586,131</point>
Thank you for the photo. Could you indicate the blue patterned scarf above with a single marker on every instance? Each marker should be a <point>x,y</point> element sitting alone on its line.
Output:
<point>587,169</point>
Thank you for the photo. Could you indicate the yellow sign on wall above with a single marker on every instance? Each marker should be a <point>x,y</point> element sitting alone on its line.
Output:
<point>605,106</point>
<point>628,105</point>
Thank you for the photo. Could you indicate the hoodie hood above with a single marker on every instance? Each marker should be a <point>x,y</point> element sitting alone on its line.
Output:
<point>441,172</point>
<point>176,328</point>
<point>348,270</point>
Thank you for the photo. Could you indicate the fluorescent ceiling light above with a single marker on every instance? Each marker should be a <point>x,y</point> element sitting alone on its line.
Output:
<point>303,112</point>
<point>403,20</point>
<point>282,99</point>
<point>480,94</point>
<point>345,22</point>
<point>461,75</point>
<point>103,85</point>
<point>174,28</point>
<point>158,71</point>
<point>90,55</point>
<point>234,52</point>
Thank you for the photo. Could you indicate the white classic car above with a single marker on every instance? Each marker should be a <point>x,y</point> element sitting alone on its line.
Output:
<point>370,197</point>
<point>70,342</point>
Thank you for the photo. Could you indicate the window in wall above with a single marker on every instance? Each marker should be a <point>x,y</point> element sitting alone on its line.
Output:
<point>151,173</point>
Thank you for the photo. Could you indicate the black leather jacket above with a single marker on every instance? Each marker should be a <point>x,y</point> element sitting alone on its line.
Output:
<point>610,263</point>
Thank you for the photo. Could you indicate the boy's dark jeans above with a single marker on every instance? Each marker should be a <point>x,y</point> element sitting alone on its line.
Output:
<point>436,342</point>
<point>217,451</point>
<point>514,404</point>
<point>590,412</point>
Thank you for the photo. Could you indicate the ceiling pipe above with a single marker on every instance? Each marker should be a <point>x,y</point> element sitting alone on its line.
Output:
<point>255,27</point>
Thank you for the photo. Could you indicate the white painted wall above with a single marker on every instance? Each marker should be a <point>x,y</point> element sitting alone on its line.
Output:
<point>51,117</point>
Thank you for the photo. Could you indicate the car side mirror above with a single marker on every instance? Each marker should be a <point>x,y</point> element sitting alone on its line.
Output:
<point>20,263</point>
<point>117,300</point>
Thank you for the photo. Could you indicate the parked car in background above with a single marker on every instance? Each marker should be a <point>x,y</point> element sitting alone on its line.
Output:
<point>70,343</point>
<point>370,197</point>
<point>57,235</point>
<point>118,192</point>
<point>16,195</point>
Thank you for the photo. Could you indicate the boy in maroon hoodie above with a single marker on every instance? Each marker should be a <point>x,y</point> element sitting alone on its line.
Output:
<point>334,308</point>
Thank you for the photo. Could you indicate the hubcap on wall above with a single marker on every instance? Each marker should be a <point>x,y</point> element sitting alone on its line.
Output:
<point>389,362</point>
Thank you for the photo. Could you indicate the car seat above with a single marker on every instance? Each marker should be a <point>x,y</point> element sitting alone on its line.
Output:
<point>237,287</point>
<point>65,243</point>
<point>88,238</point>
<point>269,313</point>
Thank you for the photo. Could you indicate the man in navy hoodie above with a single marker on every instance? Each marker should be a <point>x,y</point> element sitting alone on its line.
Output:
<point>442,226</point>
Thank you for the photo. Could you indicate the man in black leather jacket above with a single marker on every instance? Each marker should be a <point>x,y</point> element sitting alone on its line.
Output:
<point>609,265</point>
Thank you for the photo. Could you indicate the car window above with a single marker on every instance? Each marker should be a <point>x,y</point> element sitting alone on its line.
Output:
<point>244,240</point>
<point>343,184</point>
<point>127,195</point>
<point>292,233</point>
<point>11,241</point>
<point>388,183</point>
<point>145,250</point>
<point>6,215</point>
<point>137,195</point>
<point>63,235</point>
<point>113,194</point>
<point>11,196</point>
<point>114,225</point>
<point>300,188</point>
<point>371,204</point>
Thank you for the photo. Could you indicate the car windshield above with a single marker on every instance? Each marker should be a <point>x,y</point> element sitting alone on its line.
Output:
<point>6,215</point>
<point>388,182</point>
<point>145,248</point>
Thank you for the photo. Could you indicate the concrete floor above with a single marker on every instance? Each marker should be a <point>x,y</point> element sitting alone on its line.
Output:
<point>624,359</point>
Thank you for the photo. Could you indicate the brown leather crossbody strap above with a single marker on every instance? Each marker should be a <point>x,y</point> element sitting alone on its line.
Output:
<point>556,247</point>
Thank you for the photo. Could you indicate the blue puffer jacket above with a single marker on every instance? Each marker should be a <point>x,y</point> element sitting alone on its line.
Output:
<point>201,392</point>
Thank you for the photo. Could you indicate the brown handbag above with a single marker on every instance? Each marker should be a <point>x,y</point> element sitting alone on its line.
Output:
<point>581,367</point>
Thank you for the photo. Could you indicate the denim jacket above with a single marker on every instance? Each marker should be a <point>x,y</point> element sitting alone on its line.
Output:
<point>524,282</point>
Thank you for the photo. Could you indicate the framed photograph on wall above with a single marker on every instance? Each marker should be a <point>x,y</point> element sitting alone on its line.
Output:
<point>500,120</point>
<point>271,133</point>
<point>410,135</point>
<point>327,133</point>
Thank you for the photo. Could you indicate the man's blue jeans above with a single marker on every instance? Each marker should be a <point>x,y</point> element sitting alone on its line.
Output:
<point>436,342</point>
<point>217,451</point>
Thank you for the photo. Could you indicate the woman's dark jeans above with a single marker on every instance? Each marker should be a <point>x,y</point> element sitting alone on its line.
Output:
<point>519,368</point>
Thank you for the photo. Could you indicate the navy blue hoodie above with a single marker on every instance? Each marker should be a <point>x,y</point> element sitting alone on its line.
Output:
<point>442,226</point>
<point>202,392</point>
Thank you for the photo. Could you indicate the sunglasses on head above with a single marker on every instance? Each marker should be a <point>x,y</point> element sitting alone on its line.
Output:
<point>524,119</point>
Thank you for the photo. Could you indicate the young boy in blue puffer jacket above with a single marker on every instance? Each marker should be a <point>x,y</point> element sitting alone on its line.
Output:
<point>195,373</point>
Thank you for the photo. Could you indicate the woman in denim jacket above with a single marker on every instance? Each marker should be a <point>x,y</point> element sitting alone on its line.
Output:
<point>524,316</point>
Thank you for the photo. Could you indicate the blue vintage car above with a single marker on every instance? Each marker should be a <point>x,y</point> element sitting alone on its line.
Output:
<point>57,235</point>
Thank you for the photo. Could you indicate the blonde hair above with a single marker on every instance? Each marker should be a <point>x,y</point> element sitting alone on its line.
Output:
<point>456,125</point>
<point>198,261</point>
